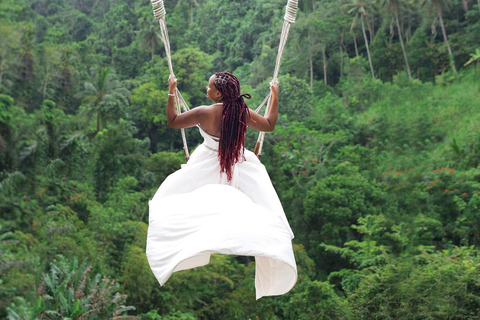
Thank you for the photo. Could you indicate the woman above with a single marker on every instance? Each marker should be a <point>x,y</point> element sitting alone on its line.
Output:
<point>222,200</point>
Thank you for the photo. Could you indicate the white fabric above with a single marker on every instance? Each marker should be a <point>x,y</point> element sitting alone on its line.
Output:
<point>196,212</point>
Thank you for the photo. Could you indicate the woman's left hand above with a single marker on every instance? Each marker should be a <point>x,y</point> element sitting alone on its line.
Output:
<point>172,84</point>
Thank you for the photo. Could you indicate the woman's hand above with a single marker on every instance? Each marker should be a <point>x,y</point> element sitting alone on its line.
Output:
<point>274,88</point>
<point>172,84</point>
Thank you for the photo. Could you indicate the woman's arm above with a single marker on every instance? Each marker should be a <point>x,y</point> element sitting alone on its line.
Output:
<point>267,123</point>
<point>186,119</point>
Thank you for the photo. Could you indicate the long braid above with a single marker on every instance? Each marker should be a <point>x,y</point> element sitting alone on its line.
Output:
<point>234,121</point>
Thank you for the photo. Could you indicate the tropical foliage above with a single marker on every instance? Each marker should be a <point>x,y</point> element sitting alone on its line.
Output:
<point>376,156</point>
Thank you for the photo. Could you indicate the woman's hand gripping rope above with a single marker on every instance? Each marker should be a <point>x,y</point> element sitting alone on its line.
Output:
<point>172,85</point>
<point>274,88</point>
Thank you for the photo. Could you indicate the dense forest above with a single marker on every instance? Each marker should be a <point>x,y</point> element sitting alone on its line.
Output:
<point>376,155</point>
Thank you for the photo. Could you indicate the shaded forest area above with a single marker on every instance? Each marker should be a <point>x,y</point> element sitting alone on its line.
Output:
<point>375,157</point>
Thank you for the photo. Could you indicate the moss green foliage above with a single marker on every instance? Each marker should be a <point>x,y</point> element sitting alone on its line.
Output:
<point>380,179</point>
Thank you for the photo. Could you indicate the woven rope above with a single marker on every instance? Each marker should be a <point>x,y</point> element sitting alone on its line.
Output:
<point>159,14</point>
<point>289,18</point>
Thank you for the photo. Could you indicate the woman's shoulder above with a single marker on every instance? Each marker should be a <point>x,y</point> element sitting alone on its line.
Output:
<point>212,106</point>
<point>209,107</point>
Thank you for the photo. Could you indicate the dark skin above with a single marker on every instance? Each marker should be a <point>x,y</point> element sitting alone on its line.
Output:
<point>210,117</point>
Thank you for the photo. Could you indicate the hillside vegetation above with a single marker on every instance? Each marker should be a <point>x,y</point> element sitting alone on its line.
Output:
<point>375,156</point>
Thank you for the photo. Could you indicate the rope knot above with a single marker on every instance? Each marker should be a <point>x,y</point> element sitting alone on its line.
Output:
<point>158,9</point>
<point>291,11</point>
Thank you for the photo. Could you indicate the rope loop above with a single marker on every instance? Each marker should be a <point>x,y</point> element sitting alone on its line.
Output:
<point>158,9</point>
<point>291,11</point>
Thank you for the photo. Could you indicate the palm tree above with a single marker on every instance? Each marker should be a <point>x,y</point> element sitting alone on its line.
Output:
<point>67,291</point>
<point>150,36</point>
<point>357,8</point>
<point>393,4</point>
<point>310,40</point>
<point>193,3</point>
<point>102,90</point>
<point>437,5</point>
<point>27,47</point>
<point>475,57</point>
<point>51,61</point>
<point>8,44</point>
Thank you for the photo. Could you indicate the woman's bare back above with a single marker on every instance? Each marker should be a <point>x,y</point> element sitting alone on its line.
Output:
<point>212,122</point>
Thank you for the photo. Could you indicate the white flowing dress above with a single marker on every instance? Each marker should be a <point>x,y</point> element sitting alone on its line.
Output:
<point>197,212</point>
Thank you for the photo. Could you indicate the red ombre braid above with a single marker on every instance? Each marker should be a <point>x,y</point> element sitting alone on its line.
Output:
<point>234,121</point>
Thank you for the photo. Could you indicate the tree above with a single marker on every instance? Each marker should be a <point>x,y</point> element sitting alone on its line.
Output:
<point>67,291</point>
<point>192,68</point>
<point>437,5</point>
<point>475,57</point>
<point>103,94</point>
<point>8,43</point>
<point>334,204</point>
<point>8,141</point>
<point>309,38</point>
<point>357,8</point>
<point>117,154</point>
<point>193,3</point>
<point>150,36</point>
<point>51,63</point>
<point>146,101</point>
<point>393,4</point>
<point>27,54</point>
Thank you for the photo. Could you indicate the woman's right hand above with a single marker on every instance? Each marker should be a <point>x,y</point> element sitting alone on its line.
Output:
<point>274,88</point>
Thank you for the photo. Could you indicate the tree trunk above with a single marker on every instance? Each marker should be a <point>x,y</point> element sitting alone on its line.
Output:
<point>2,63</point>
<point>324,64</point>
<point>356,47</point>
<point>368,50</point>
<point>310,58</point>
<point>395,10</point>
<point>28,66</point>
<point>370,29</point>
<point>1,76</point>
<point>66,78</point>
<point>45,83</point>
<point>450,53</point>
<point>98,121</point>
<point>45,87</point>
<point>341,54</point>
<point>153,138</point>
<point>191,12</point>
<point>153,49</point>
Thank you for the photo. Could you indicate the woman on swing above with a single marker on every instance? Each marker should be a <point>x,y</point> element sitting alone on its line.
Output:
<point>222,200</point>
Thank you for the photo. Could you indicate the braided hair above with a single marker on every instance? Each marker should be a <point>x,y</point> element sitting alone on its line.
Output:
<point>234,121</point>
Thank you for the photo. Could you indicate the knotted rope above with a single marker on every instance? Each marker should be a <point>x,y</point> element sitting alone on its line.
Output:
<point>289,19</point>
<point>159,14</point>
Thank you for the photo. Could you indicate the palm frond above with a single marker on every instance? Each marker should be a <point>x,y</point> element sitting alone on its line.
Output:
<point>28,151</point>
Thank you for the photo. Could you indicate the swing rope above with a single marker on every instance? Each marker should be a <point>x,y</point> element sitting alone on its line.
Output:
<point>159,14</point>
<point>289,18</point>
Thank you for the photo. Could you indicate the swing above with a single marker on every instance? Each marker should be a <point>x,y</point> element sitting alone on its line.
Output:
<point>196,212</point>
<point>289,18</point>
